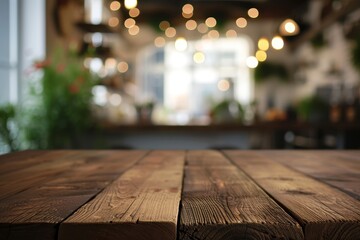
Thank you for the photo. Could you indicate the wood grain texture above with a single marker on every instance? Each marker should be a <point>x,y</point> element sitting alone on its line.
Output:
<point>13,182</point>
<point>36,212</point>
<point>143,203</point>
<point>340,169</point>
<point>19,160</point>
<point>221,202</point>
<point>324,212</point>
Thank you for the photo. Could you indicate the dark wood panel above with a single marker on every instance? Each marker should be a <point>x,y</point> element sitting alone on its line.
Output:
<point>36,212</point>
<point>221,202</point>
<point>324,212</point>
<point>340,169</point>
<point>141,204</point>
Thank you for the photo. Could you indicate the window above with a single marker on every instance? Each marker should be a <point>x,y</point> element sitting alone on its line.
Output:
<point>188,82</point>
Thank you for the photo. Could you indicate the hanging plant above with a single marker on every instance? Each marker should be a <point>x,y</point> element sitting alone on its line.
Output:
<point>318,41</point>
<point>265,70</point>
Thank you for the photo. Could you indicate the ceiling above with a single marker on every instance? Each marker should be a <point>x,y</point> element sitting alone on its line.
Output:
<point>157,10</point>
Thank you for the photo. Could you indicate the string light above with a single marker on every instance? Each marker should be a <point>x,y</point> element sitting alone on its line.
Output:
<point>115,5</point>
<point>277,43</point>
<point>241,22</point>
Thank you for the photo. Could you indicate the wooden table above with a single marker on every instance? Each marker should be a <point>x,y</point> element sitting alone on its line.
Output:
<point>164,195</point>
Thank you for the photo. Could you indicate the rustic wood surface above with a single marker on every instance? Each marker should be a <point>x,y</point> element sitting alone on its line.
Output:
<point>141,204</point>
<point>338,169</point>
<point>203,194</point>
<point>220,202</point>
<point>35,212</point>
<point>324,212</point>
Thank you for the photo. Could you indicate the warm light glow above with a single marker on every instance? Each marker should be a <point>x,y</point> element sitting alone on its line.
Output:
<point>129,4</point>
<point>231,33</point>
<point>252,62</point>
<point>110,63</point>
<point>253,13</point>
<point>210,22</point>
<point>261,55</point>
<point>187,15</point>
<point>289,28</point>
<point>181,44</point>
<point>122,67</point>
<point>115,99</point>
<point>188,8</point>
<point>241,22</point>
<point>199,57</point>
<point>115,5</point>
<point>214,34</point>
<point>129,23</point>
<point>134,12</point>
<point>277,43</point>
<point>134,30</point>
<point>164,25</point>
<point>202,28</point>
<point>191,25</point>
<point>223,85</point>
<point>113,22</point>
<point>263,44</point>
<point>170,32</point>
<point>159,42</point>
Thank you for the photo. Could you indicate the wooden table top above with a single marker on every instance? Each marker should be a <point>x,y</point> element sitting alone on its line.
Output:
<point>160,195</point>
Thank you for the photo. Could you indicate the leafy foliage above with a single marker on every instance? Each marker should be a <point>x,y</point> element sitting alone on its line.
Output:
<point>7,115</point>
<point>313,109</point>
<point>227,111</point>
<point>266,70</point>
<point>58,110</point>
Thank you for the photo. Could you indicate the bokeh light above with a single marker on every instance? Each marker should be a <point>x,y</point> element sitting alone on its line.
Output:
<point>241,22</point>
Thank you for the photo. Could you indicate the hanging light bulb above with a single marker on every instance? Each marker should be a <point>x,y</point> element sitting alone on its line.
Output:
<point>129,4</point>
<point>289,28</point>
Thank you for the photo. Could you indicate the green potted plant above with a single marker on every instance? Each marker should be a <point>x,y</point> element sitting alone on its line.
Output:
<point>58,109</point>
<point>227,111</point>
<point>312,109</point>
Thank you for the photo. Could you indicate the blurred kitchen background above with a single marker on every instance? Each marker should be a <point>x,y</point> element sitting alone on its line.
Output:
<point>160,74</point>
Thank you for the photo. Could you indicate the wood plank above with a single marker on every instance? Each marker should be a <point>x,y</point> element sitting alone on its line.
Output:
<point>38,210</point>
<point>324,212</point>
<point>340,169</point>
<point>221,202</point>
<point>29,158</point>
<point>14,182</point>
<point>9,157</point>
<point>143,203</point>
